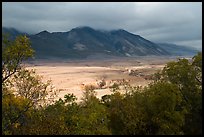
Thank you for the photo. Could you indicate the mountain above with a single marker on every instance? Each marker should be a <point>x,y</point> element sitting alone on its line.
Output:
<point>130,44</point>
<point>178,50</point>
<point>12,32</point>
<point>82,42</point>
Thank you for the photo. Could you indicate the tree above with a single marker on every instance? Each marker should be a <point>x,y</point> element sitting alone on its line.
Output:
<point>14,112</point>
<point>163,108</point>
<point>13,53</point>
<point>188,78</point>
<point>92,116</point>
<point>22,90</point>
<point>172,104</point>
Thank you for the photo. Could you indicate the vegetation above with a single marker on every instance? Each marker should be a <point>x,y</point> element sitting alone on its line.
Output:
<point>171,104</point>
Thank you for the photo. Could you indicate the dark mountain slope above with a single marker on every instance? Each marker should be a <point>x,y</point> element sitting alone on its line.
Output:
<point>178,50</point>
<point>12,32</point>
<point>131,44</point>
<point>81,42</point>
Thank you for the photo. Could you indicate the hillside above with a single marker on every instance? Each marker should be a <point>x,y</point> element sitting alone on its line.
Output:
<point>12,32</point>
<point>82,42</point>
<point>178,50</point>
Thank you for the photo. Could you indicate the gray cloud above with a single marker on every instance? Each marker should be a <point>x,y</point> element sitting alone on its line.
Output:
<point>179,23</point>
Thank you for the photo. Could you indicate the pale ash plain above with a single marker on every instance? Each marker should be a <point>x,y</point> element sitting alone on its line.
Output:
<point>70,76</point>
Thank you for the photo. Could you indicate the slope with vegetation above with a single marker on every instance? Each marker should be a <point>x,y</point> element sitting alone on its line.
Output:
<point>172,104</point>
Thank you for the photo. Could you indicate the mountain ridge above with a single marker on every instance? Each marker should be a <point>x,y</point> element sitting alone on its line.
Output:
<point>81,42</point>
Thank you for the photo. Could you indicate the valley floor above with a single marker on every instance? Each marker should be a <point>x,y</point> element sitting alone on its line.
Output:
<point>70,76</point>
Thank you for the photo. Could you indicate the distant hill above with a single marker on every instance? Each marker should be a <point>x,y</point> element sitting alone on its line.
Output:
<point>178,50</point>
<point>12,32</point>
<point>82,42</point>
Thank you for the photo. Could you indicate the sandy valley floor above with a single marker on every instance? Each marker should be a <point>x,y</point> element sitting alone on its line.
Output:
<point>70,76</point>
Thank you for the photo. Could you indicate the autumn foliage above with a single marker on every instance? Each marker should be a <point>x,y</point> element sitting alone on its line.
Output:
<point>170,105</point>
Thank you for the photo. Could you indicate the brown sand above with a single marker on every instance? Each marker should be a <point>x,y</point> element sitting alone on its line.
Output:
<point>68,76</point>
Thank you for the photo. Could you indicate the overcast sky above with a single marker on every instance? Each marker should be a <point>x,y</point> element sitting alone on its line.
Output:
<point>171,22</point>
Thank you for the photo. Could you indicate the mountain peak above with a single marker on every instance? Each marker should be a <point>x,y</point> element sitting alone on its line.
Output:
<point>83,28</point>
<point>123,32</point>
<point>43,32</point>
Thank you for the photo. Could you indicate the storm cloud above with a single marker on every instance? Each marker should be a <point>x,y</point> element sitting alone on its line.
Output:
<point>171,22</point>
